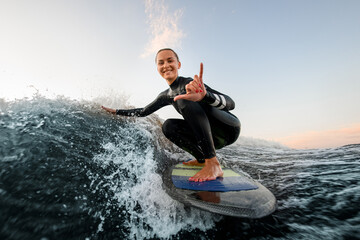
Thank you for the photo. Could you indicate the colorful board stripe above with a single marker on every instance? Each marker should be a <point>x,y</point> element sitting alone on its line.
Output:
<point>231,181</point>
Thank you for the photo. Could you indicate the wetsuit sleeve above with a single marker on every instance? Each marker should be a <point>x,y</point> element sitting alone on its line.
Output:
<point>218,100</point>
<point>158,103</point>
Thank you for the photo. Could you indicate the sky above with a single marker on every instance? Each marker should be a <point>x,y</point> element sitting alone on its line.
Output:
<point>292,67</point>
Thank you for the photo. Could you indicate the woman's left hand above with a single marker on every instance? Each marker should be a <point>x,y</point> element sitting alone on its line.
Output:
<point>195,90</point>
<point>110,110</point>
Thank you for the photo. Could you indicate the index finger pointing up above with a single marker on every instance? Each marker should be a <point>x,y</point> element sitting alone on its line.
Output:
<point>201,73</point>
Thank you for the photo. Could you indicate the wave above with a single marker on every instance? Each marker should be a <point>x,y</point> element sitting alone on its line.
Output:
<point>77,157</point>
<point>70,170</point>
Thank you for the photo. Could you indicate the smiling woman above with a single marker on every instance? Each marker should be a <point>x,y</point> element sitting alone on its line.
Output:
<point>168,64</point>
<point>207,123</point>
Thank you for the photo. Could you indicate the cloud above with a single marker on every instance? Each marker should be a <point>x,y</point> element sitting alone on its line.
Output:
<point>164,27</point>
<point>324,139</point>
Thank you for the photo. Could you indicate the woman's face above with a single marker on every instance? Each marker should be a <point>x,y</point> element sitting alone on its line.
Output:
<point>168,65</point>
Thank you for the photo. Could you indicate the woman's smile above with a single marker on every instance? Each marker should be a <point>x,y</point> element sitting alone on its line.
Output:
<point>168,65</point>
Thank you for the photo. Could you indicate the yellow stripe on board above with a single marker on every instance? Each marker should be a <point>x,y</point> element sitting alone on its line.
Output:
<point>192,172</point>
<point>180,165</point>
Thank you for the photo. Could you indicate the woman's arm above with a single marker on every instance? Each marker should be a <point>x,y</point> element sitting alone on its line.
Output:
<point>158,103</point>
<point>218,100</point>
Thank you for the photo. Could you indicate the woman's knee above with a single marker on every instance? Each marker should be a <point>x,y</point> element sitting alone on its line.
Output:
<point>172,127</point>
<point>166,128</point>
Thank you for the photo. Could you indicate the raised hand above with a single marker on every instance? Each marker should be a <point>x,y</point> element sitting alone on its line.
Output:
<point>195,90</point>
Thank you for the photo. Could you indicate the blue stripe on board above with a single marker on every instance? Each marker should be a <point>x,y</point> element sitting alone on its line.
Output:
<point>219,185</point>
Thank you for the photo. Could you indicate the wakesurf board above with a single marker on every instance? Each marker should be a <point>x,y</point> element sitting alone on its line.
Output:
<point>235,194</point>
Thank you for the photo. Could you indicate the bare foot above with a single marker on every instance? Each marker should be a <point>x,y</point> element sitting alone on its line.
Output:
<point>210,171</point>
<point>194,162</point>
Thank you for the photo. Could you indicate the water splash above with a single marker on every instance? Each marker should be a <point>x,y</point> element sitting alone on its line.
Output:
<point>69,170</point>
<point>136,186</point>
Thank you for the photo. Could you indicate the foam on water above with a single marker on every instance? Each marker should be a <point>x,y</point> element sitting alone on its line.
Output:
<point>88,174</point>
<point>137,188</point>
<point>131,176</point>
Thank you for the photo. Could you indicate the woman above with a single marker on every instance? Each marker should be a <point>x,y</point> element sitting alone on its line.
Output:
<point>207,123</point>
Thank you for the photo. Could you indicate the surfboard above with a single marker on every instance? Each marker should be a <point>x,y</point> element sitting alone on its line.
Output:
<point>234,194</point>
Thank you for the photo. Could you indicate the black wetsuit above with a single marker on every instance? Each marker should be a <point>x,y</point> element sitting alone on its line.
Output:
<point>207,125</point>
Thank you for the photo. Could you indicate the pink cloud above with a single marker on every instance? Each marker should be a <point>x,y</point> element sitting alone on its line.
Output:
<point>323,139</point>
<point>164,27</point>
